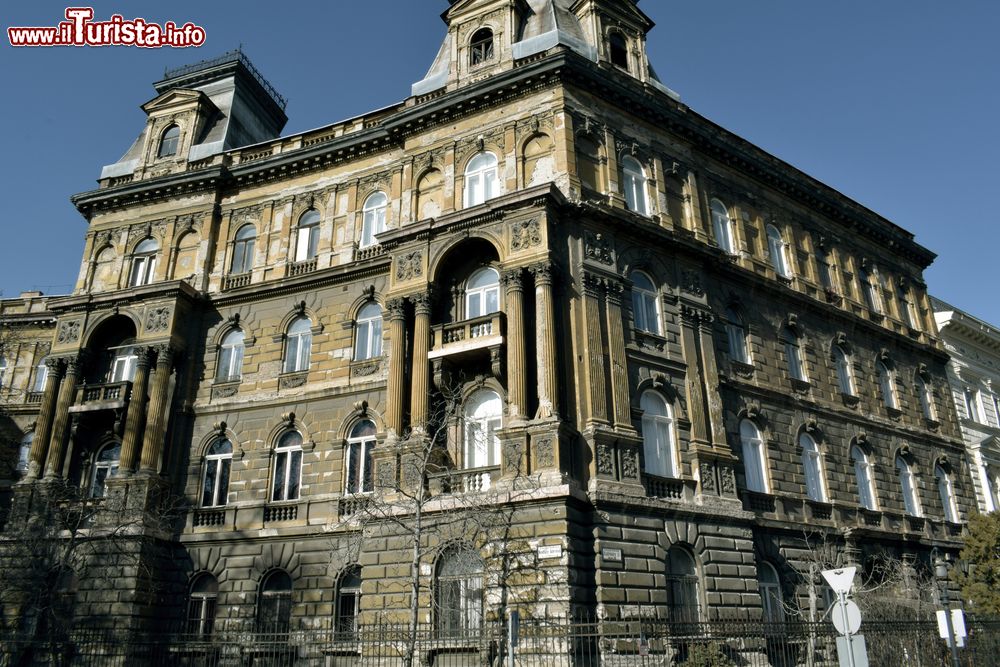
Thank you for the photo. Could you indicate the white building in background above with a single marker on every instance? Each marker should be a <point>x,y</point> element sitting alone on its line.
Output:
<point>974,374</point>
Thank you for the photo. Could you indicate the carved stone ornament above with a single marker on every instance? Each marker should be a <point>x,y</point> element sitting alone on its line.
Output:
<point>691,282</point>
<point>545,453</point>
<point>597,247</point>
<point>157,319</point>
<point>292,381</point>
<point>385,475</point>
<point>728,481</point>
<point>512,457</point>
<point>605,459</point>
<point>409,266</point>
<point>525,234</point>
<point>366,368</point>
<point>630,465</point>
<point>69,332</point>
<point>225,390</point>
<point>707,474</point>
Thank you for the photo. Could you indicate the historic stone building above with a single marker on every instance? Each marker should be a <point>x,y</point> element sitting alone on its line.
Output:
<point>671,355</point>
<point>974,376</point>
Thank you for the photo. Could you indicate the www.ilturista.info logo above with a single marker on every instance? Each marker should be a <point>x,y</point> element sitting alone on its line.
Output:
<point>79,29</point>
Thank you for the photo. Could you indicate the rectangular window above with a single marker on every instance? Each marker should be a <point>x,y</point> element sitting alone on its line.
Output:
<point>359,467</point>
<point>795,368</point>
<point>972,405</point>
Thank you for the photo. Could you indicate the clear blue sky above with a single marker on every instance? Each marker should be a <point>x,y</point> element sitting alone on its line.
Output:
<point>895,103</point>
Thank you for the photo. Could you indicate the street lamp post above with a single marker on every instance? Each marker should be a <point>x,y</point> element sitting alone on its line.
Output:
<point>941,574</point>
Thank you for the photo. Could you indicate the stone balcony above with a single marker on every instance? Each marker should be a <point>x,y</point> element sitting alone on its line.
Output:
<point>468,480</point>
<point>105,396</point>
<point>459,338</point>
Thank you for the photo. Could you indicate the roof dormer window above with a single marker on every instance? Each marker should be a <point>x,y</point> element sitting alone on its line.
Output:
<point>618,50</point>
<point>481,47</point>
<point>169,141</point>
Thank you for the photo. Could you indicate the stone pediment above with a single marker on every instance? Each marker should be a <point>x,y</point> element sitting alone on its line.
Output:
<point>177,100</point>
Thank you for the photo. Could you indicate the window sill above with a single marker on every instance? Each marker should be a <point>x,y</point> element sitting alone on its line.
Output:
<point>756,501</point>
<point>236,280</point>
<point>850,400</point>
<point>281,510</point>
<point>742,369</point>
<point>800,386</point>
<point>366,367</point>
<point>820,510</point>
<point>649,340</point>
<point>293,379</point>
<point>226,388</point>
<point>302,267</point>
<point>894,413</point>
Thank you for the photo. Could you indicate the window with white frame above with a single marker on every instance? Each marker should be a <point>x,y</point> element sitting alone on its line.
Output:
<point>274,602</point>
<point>645,303</point>
<point>143,263</point>
<point>887,384</point>
<point>481,179</point>
<point>230,367</point>
<point>24,451</point>
<point>659,439</point>
<point>845,371</point>
<point>169,142</point>
<point>481,47</point>
<point>753,457</point>
<point>105,466</point>
<point>972,410</point>
<point>287,467</point>
<point>123,362</point>
<point>243,246</point>
<point>908,487</point>
<point>483,418</point>
<point>872,287</point>
<point>215,478</point>
<point>360,444</point>
<point>947,493</point>
<point>368,332</point>
<point>812,468</point>
<point>864,479</point>
<point>482,293</point>
<point>736,337</point>
<point>777,248</point>
<point>41,375</point>
<point>298,345</point>
<point>307,236</point>
<point>769,586</point>
<point>634,186</point>
<point>793,355</point>
<point>348,605</point>
<point>683,600</point>
<point>202,604</point>
<point>373,218</point>
<point>722,225</point>
<point>926,399</point>
<point>825,269</point>
<point>459,592</point>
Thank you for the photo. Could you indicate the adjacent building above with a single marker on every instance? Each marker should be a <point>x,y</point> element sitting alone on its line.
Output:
<point>679,362</point>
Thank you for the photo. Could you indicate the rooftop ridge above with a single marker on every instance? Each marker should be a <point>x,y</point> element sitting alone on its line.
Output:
<point>234,56</point>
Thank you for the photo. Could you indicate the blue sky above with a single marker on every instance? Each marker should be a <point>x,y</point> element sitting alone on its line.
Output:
<point>893,102</point>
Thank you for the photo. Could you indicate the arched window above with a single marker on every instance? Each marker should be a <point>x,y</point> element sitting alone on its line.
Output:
<point>769,586</point>
<point>908,487</point>
<point>123,362</point>
<point>243,249</point>
<point>373,218</point>
<point>722,224</point>
<point>481,47</point>
<point>482,293</point>
<point>793,355</point>
<point>348,603</point>
<point>307,236</point>
<point>143,263</point>
<point>736,335</point>
<point>864,479</point>
<point>481,179</point>
<point>298,346</point>
<point>215,480</point>
<point>634,186</point>
<point>927,399</point>
<point>887,383</point>
<point>359,457</point>
<point>588,163</point>
<point>483,418</point>
<point>169,141</point>
<point>659,440</point>
<point>459,592</point>
<point>872,288</point>
<point>682,586</point>
<point>618,50</point>
<point>947,493</point>
<point>230,367</point>
<point>274,603</point>
<point>845,371</point>
<point>41,375</point>
<point>24,451</point>
<point>368,332</point>
<point>778,249</point>
<point>104,264</point>
<point>105,466</point>
<point>287,467</point>
<point>812,468</point>
<point>645,303</point>
<point>753,456</point>
<point>202,603</point>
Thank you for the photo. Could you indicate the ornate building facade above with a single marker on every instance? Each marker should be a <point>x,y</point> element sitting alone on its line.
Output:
<point>700,357</point>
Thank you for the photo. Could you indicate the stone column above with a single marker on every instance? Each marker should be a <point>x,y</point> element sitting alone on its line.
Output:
<point>397,366</point>
<point>420,376</point>
<point>516,376</point>
<point>619,364</point>
<point>132,439</point>
<point>548,381</point>
<point>60,418</point>
<point>43,427</point>
<point>593,289</point>
<point>157,414</point>
<point>713,399</point>
<point>697,413</point>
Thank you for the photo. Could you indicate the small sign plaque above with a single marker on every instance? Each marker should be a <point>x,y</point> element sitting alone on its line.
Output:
<point>611,555</point>
<point>545,552</point>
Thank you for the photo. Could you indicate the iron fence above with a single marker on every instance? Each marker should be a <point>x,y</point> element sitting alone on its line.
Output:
<point>535,643</point>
